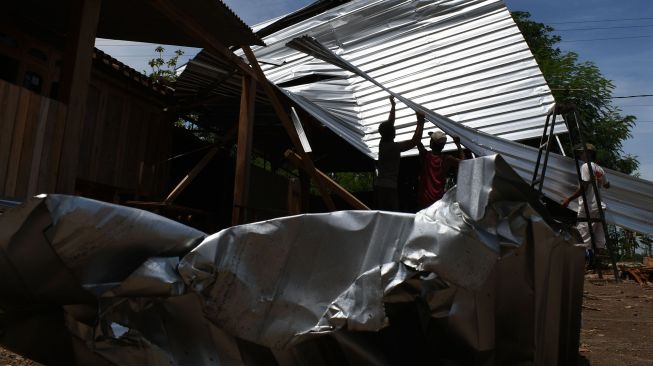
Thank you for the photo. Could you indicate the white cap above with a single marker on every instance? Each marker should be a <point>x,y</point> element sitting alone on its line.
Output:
<point>438,137</point>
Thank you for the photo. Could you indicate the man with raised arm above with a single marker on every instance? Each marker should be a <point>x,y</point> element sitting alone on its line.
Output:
<point>385,185</point>
<point>435,167</point>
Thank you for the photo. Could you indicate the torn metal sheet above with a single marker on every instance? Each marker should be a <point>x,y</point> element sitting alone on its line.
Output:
<point>496,278</point>
<point>629,200</point>
<point>465,59</point>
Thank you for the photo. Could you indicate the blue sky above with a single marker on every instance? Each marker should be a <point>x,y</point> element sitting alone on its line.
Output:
<point>625,59</point>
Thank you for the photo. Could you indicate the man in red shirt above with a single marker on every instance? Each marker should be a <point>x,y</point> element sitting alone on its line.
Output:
<point>435,167</point>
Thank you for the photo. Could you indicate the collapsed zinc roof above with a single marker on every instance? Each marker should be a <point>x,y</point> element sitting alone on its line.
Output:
<point>629,199</point>
<point>119,286</point>
<point>465,59</point>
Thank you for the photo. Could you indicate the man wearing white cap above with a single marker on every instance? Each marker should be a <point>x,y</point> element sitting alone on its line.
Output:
<point>589,154</point>
<point>435,167</point>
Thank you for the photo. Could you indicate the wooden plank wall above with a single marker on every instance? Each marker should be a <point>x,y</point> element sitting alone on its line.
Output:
<point>126,139</point>
<point>125,142</point>
<point>30,141</point>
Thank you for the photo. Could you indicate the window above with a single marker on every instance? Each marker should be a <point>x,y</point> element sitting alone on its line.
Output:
<point>8,68</point>
<point>33,81</point>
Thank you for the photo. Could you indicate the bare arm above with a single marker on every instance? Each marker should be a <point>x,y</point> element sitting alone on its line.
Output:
<point>576,194</point>
<point>421,148</point>
<point>417,136</point>
<point>451,162</point>
<point>461,154</point>
<point>391,116</point>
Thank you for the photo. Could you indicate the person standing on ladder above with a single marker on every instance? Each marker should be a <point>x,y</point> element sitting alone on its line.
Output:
<point>587,187</point>
<point>385,185</point>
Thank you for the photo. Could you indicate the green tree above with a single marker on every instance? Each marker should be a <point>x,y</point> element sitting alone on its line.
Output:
<point>354,181</point>
<point>164,70</point>
<point>582,84</point>
<point>646,242</point>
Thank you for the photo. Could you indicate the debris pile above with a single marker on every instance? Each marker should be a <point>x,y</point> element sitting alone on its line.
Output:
<point>483,276</point>
<point>641,273</point>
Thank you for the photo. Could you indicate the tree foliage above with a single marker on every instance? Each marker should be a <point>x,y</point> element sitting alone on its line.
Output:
<point>164,70</point>
<point>582,84</point>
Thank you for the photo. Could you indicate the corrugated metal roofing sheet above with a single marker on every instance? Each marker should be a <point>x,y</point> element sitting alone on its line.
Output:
<point>629,200</point>
<point>142,21</point>
<point>467,60</point>
<point>463,60</point>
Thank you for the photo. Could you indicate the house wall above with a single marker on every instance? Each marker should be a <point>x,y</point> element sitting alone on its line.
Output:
<point>126,134</point>
<point>31,137</point>
<point>29,62</point>
<point>126,138</point>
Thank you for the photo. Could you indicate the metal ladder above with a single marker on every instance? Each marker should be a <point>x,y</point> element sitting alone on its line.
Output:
<point>546,140</point>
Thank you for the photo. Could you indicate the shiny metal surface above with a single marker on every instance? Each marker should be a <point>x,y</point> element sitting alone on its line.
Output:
<point>282,281</point>
<point>629,200</point>
<point>484,261</point>
<point>466,60</point>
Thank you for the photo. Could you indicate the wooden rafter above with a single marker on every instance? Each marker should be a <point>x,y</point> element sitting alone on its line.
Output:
<point>76,73</point>
<point>306,160</point>
<point>296,160</point>
<point>211,43</point>
<point>191,175</point>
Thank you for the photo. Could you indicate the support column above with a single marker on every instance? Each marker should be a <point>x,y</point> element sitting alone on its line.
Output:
<point>75,77</point>
<point>244,149</point>
<point>306,160</point>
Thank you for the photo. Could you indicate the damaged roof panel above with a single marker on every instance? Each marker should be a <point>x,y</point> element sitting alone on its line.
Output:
<point>119,286</point>
<point>466,60</point>
<point>629,200</point>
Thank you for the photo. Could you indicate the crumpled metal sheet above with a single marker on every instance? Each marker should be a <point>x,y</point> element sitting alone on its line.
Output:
<point>496,274</point>
<point>629,200</point>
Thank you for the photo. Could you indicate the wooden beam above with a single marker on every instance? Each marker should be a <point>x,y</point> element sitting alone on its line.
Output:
<point>191,175</point>
<point>188,25</point>
<point>244,149</point>
<point>294,196</point>
<point>296,160</point>
<point>288,125</point>
<point>76,73</point>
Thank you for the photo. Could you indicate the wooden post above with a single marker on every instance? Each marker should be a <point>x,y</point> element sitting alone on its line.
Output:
<point>294,196</point>
<point>305,182</point>
<point>319,176</point>
<point>288,125</point>
<point>76,73</point>
<point>244,149</point>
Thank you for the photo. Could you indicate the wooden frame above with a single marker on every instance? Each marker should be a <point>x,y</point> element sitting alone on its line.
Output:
<point>75,77</point>
<point>296,160</point>
<point>244,149</point>
<point>306,160</point>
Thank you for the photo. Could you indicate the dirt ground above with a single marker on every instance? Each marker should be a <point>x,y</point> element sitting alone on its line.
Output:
<point>11,359</point>
<point>617,326</point>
